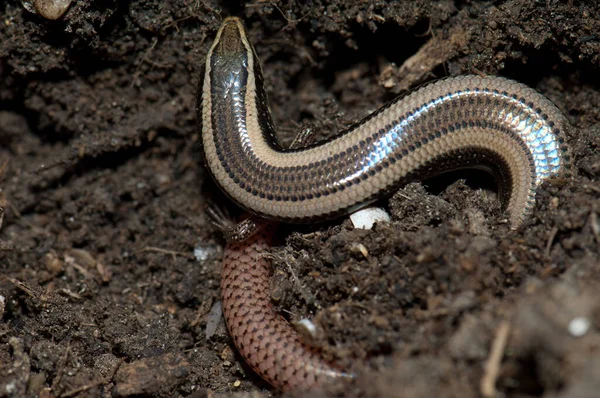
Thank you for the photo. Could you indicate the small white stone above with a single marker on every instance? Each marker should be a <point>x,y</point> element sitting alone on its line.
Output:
<point>579,326</point>
<point>203,253</point>
<point>11,387</point>
<point>367,217</point>
<point>308,326</point>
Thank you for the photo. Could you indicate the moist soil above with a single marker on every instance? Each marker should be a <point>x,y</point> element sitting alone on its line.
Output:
<point>110,265</point>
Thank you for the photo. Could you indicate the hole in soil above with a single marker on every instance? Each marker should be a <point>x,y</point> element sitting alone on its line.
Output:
<point>474,179</point>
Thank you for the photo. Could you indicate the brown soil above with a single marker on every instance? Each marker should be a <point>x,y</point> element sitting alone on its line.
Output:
<point>106,202</point>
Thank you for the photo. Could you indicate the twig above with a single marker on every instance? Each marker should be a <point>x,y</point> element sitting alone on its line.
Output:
<point>81,389</point>
<point>61,368</point>
<point>550,240</point>
<point>164,251</point>
<point>143,59</point>
<point>492,367</point>
<point>24,288</point>
<point>595,226</point>
<point>403,195</point>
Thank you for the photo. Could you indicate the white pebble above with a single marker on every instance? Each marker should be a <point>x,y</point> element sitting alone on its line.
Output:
<point>204,252</point>
<point>367,217</point>
<point>308,326</point>
<point>11,387</point>
<point>579,326</point>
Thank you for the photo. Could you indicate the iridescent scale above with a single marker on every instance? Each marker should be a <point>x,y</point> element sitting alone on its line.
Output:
<point>468,121</point>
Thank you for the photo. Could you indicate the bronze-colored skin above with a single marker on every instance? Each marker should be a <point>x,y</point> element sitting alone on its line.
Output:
<point>268,343</point>
<point>468,121</point>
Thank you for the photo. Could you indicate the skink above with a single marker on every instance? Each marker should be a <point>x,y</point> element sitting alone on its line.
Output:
<point>468,121</point>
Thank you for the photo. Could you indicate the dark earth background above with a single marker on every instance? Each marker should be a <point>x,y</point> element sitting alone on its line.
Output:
<point>106,200</point>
